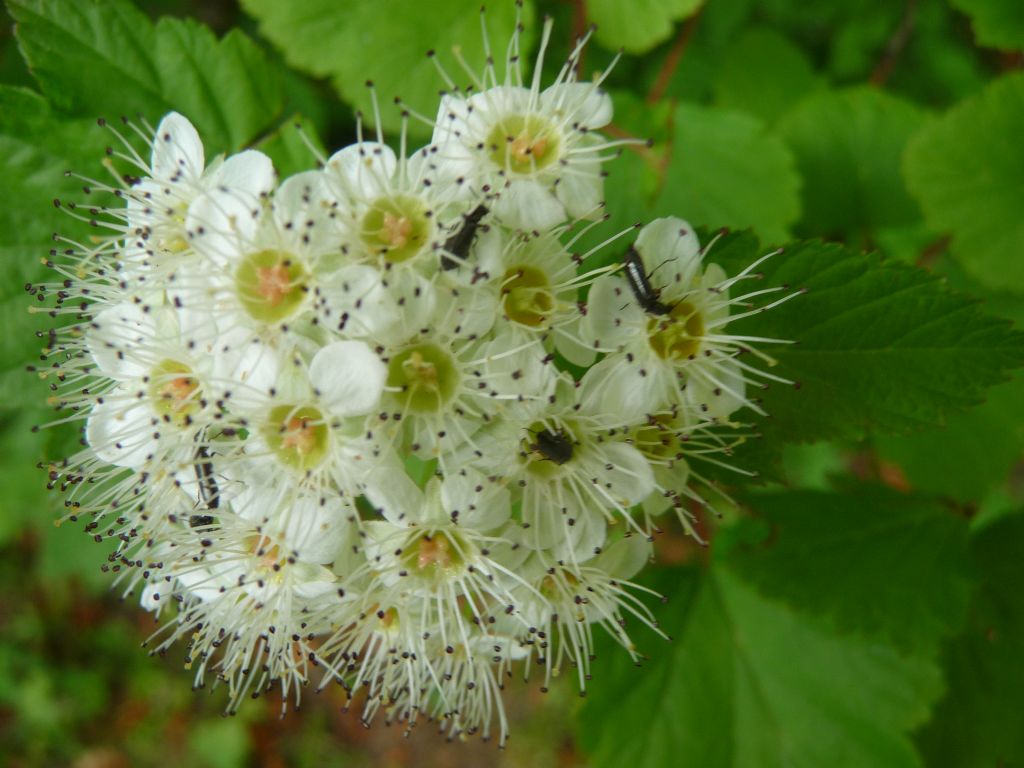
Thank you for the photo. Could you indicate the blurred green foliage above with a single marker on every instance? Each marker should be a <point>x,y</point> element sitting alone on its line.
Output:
<point>864,610</point>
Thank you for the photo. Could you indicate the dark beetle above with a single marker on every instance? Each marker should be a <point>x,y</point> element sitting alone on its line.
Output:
<point>209,493</point>
<point>646,296</point>
<point>458,244</point>
<point>554,446</point>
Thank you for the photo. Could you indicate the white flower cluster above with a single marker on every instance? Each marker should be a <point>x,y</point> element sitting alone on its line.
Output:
<point>365,420</point>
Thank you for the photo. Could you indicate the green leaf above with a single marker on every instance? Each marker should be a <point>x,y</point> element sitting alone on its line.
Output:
<point>105,57</point>
<point>881,346</point>
<point>997,23</point>
<point>220,743</point>
<point>977,724</point>
<point>848,146</point>
<point>387,43</point>
<point>967,171</point>
<point>975,452</point>
<point>764,74</point>
<point>24,501</point>
<point>634,177</point>
<point>68,552</point>
<point>876,563</point>
<point>638,26</point>
<point>35,151</point>
<point>294,147</point>
<point>727,171</point>
<point>749,682</point>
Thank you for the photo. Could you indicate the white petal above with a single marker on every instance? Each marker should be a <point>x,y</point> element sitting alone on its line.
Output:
<point>581,189</point>
<point>612,315</point>
<point>394,493</point>
<point>626,557</point>
<point>528,205</point>
<point>249,171</point>
<point>316,529</point>
<point>582,104</point>
<point>177,150</point>
<point>302,214</point>
<point>114,334</point>
<point>250,369</point>
<point>718,388</point>
<point>481,505</point>
<point>621,392</point>
<point>363,170</point>
<point>670,246</point>
<point>222,225</point>
<point>357,294</point>
<point>588,534</point>
<point>631,479</point>
<point>349,377</point>
<point>121,432</point>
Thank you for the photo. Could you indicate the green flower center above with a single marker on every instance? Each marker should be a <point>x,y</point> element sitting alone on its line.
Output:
<point>434,557</point>
<point>523,144</point>
<point>677,335</point>
<point>271,285</point>
<point>526,296</point>
<point>658,441</point>
<point>426,377</point>
<point>396,227</point>
<point>174,391</point>
<point>297,436</point>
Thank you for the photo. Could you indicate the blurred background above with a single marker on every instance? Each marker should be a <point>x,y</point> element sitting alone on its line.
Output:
<point>790,118</point>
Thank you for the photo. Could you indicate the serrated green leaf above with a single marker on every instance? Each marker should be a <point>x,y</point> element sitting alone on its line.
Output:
<point>967,171</point>
<point>36,149</point>
<point>105,57</point>
<point>877,563</point>
<point>764,74</point>
<point>977,724</point>
<point>640,25</point>
<point>749,682</point>
<point>973,453</point>
<point>997,23</point>
<point>727,171</point>
<point>848,146</point>
<point>365,40</point>
<point>881,346</point>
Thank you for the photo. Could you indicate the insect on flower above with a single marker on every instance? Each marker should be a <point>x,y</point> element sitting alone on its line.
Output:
<point>412,479</point>
<point>553,445</point>
<point>457,246</point>
<point>646,295</point>
<point>209,493</point>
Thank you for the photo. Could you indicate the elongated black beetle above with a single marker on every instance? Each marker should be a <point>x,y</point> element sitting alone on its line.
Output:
<point>456,247</point>
<point>209,493</point>
<point>646,296</point>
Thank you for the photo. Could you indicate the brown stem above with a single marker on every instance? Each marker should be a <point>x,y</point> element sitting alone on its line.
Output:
<point>895,45</point>
<point>932,251</point>
<point>671,63</point>
<point>579,29</point>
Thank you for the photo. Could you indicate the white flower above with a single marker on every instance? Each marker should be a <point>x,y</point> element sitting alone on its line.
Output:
<point>579,597</point>
<point>573,475</point>
<point>672,350</point>
<point>354,421</point>
<point>176,177</point>
<point>533,147</point>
